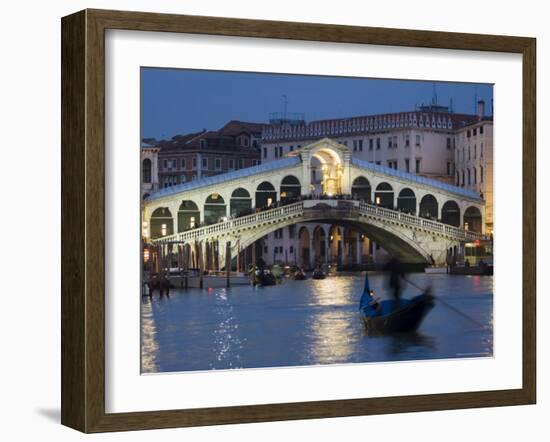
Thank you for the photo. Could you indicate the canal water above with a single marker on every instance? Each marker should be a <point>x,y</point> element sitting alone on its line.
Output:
<point>307,323</point>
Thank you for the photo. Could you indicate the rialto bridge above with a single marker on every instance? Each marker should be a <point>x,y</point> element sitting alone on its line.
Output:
<point>413,218</point>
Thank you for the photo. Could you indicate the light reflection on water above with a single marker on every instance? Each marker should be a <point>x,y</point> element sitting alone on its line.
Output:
<point>227,343</point>
<point>149,347</point>
<point>331,333</point>
<point>306,323</point>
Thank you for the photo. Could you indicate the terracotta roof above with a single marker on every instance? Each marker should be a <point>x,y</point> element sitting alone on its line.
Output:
<point>236,127</point>
<point>176,142</point>
<point>220,140</point>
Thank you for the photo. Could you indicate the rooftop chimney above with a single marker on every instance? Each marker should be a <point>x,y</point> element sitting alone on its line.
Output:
<point>480,109</point>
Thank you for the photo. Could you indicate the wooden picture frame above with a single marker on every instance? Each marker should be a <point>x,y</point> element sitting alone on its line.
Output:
<point>83,219</point>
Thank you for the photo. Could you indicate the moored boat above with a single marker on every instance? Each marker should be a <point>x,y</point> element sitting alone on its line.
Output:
<point>262,277</point>
<point>319,274</point>
<point>299,275</point>
<point>435,270</point>
<point>484,270</point>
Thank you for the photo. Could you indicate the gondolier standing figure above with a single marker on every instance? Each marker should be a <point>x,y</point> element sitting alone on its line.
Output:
<point>396,274</point>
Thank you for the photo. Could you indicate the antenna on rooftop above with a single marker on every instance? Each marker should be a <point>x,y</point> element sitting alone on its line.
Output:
<point>285,104</point>
<point>434,95</point>
<point>292,118</point>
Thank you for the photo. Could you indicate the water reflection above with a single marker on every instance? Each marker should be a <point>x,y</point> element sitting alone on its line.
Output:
<point>149,345</point>
<point>405,346</point>
<point>227,344</point>
<point>331,334</point>
<point>307,323</point>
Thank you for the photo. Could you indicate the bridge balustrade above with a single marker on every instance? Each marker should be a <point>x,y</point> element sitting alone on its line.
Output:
<point>298,209</point>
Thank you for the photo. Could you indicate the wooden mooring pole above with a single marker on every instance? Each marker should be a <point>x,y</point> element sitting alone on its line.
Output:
<point>228,263</point>
<point>186,253</point>
<point>201,262</point>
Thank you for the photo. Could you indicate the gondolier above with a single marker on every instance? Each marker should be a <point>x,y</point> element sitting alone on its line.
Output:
<point>384,318</point>
<point>396,274</point>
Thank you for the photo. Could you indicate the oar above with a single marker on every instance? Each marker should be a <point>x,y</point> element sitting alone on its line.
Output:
<point>449,306</point>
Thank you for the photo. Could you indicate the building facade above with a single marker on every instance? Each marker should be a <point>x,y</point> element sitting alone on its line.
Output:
<point>429,142</point>
<point>474,160</point>
<point>199,155</point>
<point>149,168</point>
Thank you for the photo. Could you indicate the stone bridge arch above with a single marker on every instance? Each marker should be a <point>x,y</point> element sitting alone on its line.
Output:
<point>407,246</point>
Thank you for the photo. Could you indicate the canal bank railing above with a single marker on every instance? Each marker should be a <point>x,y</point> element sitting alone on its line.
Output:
<point>297,210</point>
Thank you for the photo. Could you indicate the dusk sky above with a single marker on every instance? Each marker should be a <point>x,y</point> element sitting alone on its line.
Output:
<point>180,101</point>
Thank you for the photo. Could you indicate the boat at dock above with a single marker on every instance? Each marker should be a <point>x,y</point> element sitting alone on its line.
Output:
<point>486,270</point>
<point>262,277</point>
<point>319,274</point>
<point>209,281</point>
<point>435,270</point>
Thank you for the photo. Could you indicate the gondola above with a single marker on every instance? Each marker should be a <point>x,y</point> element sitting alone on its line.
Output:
<point>381,317</point>
<point>319,274</point>
<point>299,275</point>
<point>262,277</point>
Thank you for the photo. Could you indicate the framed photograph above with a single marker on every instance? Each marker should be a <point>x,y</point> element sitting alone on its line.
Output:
<point>268,221</point>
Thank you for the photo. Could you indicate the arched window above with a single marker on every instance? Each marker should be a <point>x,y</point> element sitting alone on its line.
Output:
<point>319,246</point>
<point>472,219</point>
<point>265,195</point>
<point>290,188</point>
<point>450,213</point>
<point>214,209</point>
<point>161,223</point>
<point>384,196</point>
<point>304,252</point>
<point>361,190</point>
<point>188,216</point>
<point>240,203</point>
<point>146,172</point>
<point>429,207</point>
<point>406,201</point>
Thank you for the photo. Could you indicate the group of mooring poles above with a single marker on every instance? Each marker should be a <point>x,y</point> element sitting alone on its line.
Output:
<point>160,258</point>
<point>163,256</point>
